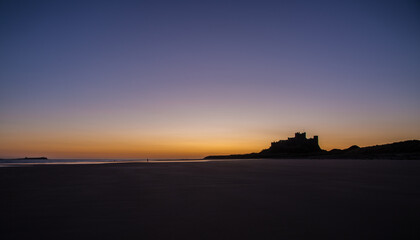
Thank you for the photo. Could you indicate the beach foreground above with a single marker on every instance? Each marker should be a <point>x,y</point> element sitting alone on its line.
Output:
<point>245,199</point>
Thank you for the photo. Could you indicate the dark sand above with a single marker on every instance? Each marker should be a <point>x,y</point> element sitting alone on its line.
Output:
<point>248,199</point>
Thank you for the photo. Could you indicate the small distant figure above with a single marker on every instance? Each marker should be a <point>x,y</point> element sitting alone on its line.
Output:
<point>147,160</point>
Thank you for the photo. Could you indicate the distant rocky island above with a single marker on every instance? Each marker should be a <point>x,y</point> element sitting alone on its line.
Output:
<point>302,147</point>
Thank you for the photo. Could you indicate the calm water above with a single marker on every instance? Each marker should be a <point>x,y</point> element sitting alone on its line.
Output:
<point>32,162</point>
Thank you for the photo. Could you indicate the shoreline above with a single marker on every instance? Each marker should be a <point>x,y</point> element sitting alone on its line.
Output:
<point>67,162</point>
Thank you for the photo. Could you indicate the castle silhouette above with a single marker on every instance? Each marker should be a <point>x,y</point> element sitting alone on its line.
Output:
<point>297,144</point>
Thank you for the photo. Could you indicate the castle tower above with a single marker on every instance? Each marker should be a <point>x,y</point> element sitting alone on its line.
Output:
<point>300,136</point>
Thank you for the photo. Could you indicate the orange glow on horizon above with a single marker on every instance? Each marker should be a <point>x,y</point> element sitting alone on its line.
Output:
<point>154,147</point>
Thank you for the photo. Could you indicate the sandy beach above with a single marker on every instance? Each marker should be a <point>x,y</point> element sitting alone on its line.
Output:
<point>246,199</point>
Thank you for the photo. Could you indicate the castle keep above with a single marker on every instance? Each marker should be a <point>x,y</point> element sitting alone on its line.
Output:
<point>297,144</point>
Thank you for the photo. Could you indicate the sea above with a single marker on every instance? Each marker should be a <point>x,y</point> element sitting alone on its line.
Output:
<point>34,162</point>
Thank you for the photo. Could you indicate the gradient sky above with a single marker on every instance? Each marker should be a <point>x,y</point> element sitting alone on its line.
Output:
<point>186,79</point>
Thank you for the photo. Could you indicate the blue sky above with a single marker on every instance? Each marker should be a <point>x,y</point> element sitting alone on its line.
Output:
<point>155,78</point>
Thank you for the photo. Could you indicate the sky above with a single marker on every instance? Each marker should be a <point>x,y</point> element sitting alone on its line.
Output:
<point>187,79</point>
